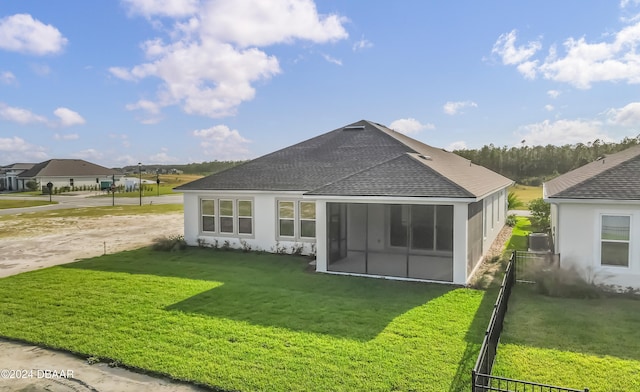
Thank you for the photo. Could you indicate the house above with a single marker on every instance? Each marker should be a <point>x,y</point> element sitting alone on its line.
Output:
<point>365,199</point>
<point>595,218</point>
<point>9,176</point>
<point>71,174</point>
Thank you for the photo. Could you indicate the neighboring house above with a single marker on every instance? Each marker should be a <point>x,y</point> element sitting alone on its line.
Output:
<point>595,218</point>
<point>9,176</point>
<point>365,199</point>
<point>72,173</point>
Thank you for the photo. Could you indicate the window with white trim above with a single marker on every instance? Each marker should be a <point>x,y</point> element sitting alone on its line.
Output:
<point>245,217</point>
<point>615,240</point>
<point>208,212</point>
<point>286,219</point>
<point>307,219</point>
<point>226,216</point>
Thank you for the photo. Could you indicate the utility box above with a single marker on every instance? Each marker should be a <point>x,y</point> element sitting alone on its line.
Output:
<point>539,242</point>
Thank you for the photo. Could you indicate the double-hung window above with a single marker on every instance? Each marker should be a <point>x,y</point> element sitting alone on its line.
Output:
<point>245,217</point>
<point>226,216</point>
<point>307,219</point>
<point>208,210</point>
<point>286,218</point>
<point>614,240</point>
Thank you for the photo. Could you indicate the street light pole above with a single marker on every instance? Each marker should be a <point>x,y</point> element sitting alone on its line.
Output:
<point>158,181</point>
<point>140,182</point>
<point>113,190</point>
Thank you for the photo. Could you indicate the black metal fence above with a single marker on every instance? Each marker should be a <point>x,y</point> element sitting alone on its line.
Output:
<point>502,384</point>
<point>529,264</point>
<point>481,378</point>
<point>481,373</point>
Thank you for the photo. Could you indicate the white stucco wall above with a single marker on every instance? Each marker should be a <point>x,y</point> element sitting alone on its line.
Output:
<point>577,234</point>
<point>88,181</point>
<point>264,222</point>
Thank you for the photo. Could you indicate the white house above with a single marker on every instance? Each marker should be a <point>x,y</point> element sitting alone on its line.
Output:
<point>72,173</point>
<point>595,218</point>
<point>366,199</point>
<point>9,176</point>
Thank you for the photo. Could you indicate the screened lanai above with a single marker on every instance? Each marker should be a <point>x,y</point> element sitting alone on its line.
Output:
<point>398,240</point>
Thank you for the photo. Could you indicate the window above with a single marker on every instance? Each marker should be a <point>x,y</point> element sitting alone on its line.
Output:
<point>286,219</point>
<point>226,216</point>
<point>208,211</point>
<point>614,240</point>
<point>245,217</point>
<point>71,182</point>
<point>307,219</point>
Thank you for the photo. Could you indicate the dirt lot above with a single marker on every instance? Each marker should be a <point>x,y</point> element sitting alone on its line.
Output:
<point>62,240</point>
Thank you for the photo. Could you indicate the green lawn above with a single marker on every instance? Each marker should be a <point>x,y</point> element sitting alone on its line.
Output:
<point>240,321</point>
<point>571,342</point>
<point>23,203</point>
<point>526,193</point>
<point>521,230</point>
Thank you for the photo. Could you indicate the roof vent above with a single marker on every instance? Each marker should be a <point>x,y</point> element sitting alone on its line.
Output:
<point>425,157</point>
<point>354,128</point>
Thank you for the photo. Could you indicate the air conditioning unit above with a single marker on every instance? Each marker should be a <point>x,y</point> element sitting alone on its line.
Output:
<point>539,242</point>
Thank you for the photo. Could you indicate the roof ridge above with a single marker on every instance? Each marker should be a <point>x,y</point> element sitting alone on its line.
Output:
<point>420,160</point>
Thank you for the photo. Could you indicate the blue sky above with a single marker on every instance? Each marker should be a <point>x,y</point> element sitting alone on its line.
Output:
<point>179,81</point>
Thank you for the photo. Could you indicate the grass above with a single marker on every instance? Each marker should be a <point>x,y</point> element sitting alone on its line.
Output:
<point>519,236</point>
<point>239,321</point>
<point>526,193</point>
<point>571,342</point>
<point>4,204</point>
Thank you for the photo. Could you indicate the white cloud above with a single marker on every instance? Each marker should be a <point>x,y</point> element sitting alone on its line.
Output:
<point>68,117</point>
<point>549,108</point>
<point>453,108</point>
<point>162,158</point>
<point>21,33</point>
<point>562,132</point>
<point>459,145</point>
<point>628,115</point>
<point>332,59</point>
<point>223,143</point>
<point>583,63</point>
<point>212,60</point>
<point>170,8</point>
<point>409,126</point>
<point>361,45</point>
<point>511,55</point>
<point>626,3</point>
<point>7,77</point>
<point>90,154</point>
<point>20,115</point>
<point>123,137</point>
<point>69,136</point>
<point>553,94</point>
<point>268,22</point>
<point>15,149</point>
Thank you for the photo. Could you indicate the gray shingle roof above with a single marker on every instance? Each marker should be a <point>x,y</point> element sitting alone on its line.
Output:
<point>362,159</point>
<point>614,177</point>
<point>66,168</point>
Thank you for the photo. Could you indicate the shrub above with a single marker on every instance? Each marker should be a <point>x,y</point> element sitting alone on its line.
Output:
<point>226,245</point>
<point>513,201</point>
<point>567,283</point>
<point>296,249</point>
<point>511,220</point>
<point>540,215</point>
<point>246,247</point>
<point>169,244</point>
<point>32,185</point>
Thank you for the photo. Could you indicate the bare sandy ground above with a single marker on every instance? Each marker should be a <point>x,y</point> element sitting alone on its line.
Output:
<point>54,241</point>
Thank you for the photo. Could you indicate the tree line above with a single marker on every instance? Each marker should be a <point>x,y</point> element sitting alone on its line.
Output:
<point>534,165</point>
